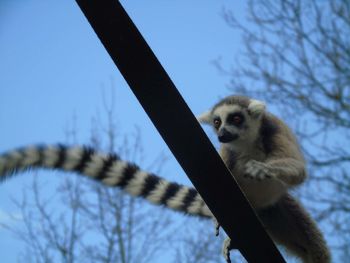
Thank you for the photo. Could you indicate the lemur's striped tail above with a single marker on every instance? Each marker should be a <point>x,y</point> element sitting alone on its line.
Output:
<point>109,170</point>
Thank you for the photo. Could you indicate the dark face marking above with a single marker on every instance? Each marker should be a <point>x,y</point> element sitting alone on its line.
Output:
<point>236,119</point>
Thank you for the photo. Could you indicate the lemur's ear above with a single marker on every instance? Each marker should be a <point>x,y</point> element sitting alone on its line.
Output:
<point>205,118</point>
<point>256,108</point>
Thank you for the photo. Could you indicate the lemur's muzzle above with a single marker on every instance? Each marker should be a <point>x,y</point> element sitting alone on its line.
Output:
<point>225,136</point>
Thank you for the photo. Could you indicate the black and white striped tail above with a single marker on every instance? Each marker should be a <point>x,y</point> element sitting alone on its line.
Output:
<point>108,169</point>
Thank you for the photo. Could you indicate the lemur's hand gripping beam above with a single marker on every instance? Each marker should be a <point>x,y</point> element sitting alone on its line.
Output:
<point>179,128</point>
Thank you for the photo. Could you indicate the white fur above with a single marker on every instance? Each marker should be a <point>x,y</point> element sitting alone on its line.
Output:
<point>94,166</point>
<point>205,117</point>
<point>135,186</point>
<point>156,195</point>
<point>205,210</point>
<point>12,159</point>
<point>177,201</point>
<point>73,158</point>
<point>31,156</point>
<point>196,206</point>
<point>257,170</point>
<point>113,175</point>
<point>2,165</point>
<point>256,107</point>
<point>51,155</point>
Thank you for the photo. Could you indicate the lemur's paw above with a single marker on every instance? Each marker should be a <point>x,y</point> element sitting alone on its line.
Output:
<point>257,171</point>
<point>226,247</point>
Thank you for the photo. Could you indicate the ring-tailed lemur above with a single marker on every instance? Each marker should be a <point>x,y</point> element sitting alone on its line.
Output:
<point>258,148</point>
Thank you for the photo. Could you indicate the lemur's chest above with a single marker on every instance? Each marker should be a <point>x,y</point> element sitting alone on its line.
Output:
<point>236,160</point>
<point>260,193</point>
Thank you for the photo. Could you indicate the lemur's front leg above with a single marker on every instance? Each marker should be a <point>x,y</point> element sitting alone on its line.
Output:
<point>288,170</point>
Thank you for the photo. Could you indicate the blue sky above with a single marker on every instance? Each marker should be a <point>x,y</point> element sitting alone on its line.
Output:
<point>52,66</point>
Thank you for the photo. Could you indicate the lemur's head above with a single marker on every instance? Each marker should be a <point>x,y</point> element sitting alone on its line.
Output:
<point>236,119</point>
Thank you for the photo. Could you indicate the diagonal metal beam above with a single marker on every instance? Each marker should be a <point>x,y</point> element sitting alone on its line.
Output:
<point>179,128</point>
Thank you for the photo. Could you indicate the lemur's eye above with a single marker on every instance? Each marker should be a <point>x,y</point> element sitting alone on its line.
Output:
<point>235,119</point>
<point>217,123</point>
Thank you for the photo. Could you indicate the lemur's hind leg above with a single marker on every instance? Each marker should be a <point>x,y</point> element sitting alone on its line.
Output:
<point>291,226</point>
<point>228,244</point>
<point>226,248</point>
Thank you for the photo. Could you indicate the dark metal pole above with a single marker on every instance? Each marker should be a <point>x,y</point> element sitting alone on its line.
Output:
<point>179,128</point>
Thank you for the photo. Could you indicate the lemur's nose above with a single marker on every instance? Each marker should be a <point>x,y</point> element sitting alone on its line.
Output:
<point>225,136</point>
